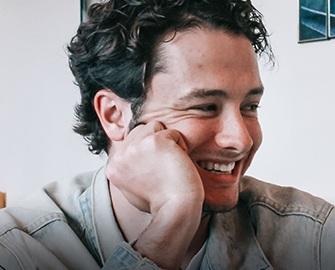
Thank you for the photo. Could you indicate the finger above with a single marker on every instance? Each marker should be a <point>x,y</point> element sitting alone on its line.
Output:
<point>156,126</point>
<point>177,137</point>
<point>143,130</point>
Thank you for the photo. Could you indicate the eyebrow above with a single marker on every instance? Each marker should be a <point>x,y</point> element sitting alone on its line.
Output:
<point>203,93</point>
<point>255,91</point>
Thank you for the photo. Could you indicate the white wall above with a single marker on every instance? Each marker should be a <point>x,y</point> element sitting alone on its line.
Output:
<point>298,115</point>
<point>38,95</point>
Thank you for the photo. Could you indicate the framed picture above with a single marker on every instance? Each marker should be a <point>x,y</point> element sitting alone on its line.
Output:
<point>331,19</point>
<point>84,5</point>
<point>313,16</point>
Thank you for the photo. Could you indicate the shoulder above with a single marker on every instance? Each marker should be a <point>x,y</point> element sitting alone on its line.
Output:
<point>57,201</point>
<point>28,228</point>
<point>291,224</point>
<point>283,201</point>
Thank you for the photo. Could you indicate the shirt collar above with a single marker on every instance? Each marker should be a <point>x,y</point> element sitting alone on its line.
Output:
<point>108,234</point>
<point>232,243</point>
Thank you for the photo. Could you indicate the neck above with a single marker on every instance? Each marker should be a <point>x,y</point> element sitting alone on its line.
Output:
<point>197,242</point>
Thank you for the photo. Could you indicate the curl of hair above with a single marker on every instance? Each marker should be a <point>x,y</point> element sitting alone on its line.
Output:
<point>116,48</point>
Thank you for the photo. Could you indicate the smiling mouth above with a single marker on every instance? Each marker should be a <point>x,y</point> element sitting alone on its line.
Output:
<point>214,167</point>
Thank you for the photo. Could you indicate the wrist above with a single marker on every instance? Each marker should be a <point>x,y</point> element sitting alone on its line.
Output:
<point>175,204</point>
<point>167,238</point>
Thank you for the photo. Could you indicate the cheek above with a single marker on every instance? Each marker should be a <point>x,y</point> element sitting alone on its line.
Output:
<point>194,132</point>
<point>255,132</point>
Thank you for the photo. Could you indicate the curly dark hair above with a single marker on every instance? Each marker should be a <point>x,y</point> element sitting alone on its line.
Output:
<point>116,48</point>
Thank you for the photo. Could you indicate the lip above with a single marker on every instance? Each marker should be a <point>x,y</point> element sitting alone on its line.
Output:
<point>220,178</point>
<point>218,167</point>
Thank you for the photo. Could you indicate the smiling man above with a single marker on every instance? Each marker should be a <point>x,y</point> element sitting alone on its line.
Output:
<point>170,91</point>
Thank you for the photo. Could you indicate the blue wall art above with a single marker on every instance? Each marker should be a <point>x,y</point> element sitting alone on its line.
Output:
<point>316,20</point>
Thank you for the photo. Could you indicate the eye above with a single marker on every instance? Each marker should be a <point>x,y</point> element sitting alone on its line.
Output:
<point>251,109</point>
<point>206,108</point>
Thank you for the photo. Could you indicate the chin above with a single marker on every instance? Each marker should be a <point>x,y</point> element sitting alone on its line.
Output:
<point>221,204</point>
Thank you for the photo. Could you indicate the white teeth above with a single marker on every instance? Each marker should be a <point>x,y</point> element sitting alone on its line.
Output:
<point>219,167</point>
<point>209,165</point>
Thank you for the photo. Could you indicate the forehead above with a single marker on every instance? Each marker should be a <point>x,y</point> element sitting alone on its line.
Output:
<point>196,43</point>
<point>202,58</point>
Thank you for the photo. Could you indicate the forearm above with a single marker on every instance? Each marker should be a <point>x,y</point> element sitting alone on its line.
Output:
<point>166,240</point>
<point>162,245</point>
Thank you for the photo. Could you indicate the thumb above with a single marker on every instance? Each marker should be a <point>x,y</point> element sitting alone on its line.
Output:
<point>176,136</point>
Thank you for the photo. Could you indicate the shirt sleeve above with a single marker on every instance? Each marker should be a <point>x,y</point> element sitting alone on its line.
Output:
<point>126,258</point>
<point>8,260</point>
<point>328,242</point>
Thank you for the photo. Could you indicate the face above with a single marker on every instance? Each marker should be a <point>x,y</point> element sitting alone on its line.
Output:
<point>209,91</point>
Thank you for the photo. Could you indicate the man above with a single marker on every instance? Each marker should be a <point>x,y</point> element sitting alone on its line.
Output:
<point>170,91</point>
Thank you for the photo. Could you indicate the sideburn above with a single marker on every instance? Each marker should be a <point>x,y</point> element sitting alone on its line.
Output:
<point>137,110</point>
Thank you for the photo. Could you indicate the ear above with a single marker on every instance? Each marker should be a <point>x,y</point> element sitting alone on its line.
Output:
<point>112,112</point>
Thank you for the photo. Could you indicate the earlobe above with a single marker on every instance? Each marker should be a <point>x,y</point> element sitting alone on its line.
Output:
<point>110,109</point>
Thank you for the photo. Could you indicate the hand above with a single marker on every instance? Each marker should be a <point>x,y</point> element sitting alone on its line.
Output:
<point>152,168</point>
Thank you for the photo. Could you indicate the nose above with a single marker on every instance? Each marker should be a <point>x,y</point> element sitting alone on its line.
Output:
<point>233,133</point>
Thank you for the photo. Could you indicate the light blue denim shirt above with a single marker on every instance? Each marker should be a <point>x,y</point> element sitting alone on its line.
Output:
<point>71,225</point>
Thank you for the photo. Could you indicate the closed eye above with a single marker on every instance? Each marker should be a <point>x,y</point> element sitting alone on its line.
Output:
<point>206,108</point>
<point>250,109</point>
